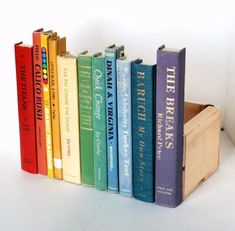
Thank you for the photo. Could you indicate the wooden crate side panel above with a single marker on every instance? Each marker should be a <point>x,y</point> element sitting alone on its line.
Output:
<point>202,139</point>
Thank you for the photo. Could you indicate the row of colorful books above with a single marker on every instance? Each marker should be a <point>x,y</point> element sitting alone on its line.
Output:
<point>102,120</point>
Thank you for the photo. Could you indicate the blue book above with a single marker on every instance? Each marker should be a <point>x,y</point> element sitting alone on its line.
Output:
<point>169,126</point>
<point>143,130</point>
<point>112,53</point>
<point>124,126</point>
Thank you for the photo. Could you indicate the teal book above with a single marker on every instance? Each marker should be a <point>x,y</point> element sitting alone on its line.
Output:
<point>86,117</point>
<point>99,122</point>
<point>112,53</point>
<point>143,129</point>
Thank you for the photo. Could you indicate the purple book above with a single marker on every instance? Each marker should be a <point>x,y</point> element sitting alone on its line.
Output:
<point>169,125</point>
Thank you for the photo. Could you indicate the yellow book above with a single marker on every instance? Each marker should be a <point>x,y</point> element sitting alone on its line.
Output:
<point>56,46</point>
<point>46,95</point>
<point>69,120</point>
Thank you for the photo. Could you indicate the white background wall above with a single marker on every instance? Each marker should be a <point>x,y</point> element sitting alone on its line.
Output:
<point>204,27</point>
<point>230,106</point>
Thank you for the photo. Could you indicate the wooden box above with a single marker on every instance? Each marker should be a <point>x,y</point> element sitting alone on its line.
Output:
<point>201,144</point>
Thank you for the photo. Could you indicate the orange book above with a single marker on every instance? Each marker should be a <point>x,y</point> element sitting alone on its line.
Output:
<point>56,46</point>
<point>46,94</point>
<point>39,109</point>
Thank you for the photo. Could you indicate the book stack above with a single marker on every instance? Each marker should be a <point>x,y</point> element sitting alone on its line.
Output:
<point>101,119</point>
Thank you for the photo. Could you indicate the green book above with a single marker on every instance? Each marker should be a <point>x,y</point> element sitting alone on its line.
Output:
<point>86,121</point>
<point>99,121</point>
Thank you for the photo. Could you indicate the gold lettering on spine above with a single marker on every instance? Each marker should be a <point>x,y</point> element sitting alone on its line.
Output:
<point>24,95</point>
<point>38,84</point>
<point>141,115</point>
<point>85,96</point>
<point>159,144</point>
<point>48,137</point>
<point>140,96</point>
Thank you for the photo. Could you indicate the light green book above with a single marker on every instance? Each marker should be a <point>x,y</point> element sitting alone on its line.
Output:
<point>86,118</point>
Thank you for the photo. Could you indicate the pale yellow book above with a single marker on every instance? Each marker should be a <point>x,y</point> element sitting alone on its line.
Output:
<point>56,46</point>
<point>46,96</point>
<point>69,120</point>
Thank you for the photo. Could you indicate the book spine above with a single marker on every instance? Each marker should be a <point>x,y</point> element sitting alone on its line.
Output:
<point>26,107</point>
<point>39,108</point>
<point>124,126</point>
<point>56,46</point>
<point>169,127</point>
<point>69,118</point>
<point>143,104</point>
<point>99,123</point>
<point>111,118</point>
<point>86,118</point>
<point>47,108</point>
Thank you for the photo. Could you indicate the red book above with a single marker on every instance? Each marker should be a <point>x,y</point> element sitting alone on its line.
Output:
<point>39,104</point>
<point>26,108</point>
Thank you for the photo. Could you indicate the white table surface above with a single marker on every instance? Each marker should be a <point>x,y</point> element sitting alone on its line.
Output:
<point>34,202</point>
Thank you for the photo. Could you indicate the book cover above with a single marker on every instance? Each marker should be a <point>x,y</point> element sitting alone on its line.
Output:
<point>86,117</point>
<point>69,117</point>
<point>39,108</point>
<point>56,46</point>
<point>112,53</point>
<point>169,125</point>
<point>143,130</point>
<point>124,126</point>
<point>99,122</point>
<point>26,106</point>
<point>46,96</point>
